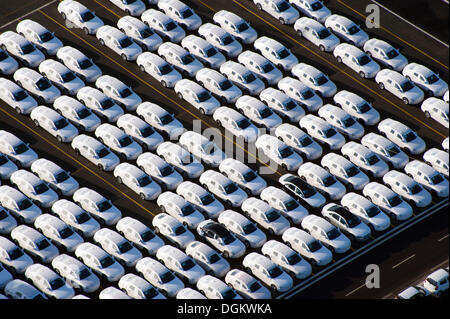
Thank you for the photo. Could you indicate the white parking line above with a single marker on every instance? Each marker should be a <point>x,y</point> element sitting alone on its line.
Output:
<point>412,24</point>
<point>441,239</point>
<point>356,289</point>
<point>27,14</point>
<point>405,260</point>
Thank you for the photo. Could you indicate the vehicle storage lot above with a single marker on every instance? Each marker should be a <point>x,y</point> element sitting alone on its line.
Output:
<point>416,46</point>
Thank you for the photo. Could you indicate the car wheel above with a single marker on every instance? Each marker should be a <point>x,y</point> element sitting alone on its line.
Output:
<point>63,15</point>
<point>219,123</point>
<point>430,93</point>
<point>259,6</point>
<point>36,122</point>
<point>273,288</point>
<point>142,196</point>
<point>339,59</point>
<point>59,138</point>
<point>156,229</point>
<point>100,166</point>
<point>102,42</point>
<point>86,31</point>
<point>322,48</point>
<point>381,85</point>
<point>142,68</point>
<point>180,95</point>
<point>427,114</point>
<point>226,254</point>
<point>77,151</point>
<point>163,83</point>
<point>119,179</point>
<point>362,74</point>
<point>284,166</point>
<point>228,203</point>
<point>202,111</point>
<point>124,57</point>
<point>123,156</point>
<point>282,21</point>
<point>271,231</point>
<point>405,100</point>
<point>248,270</point>
<point>299,32</point>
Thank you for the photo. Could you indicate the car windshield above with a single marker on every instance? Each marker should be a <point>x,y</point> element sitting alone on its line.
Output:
<point>436,179</point>
<point>330,132</point>
<point>124,247</point>
<point>212,259</point>
<point>352,171</point>
<point>20,95</point>
<point>43,84</point>
<point>363,108</point>
<point>83,113</point>
<point>102,152</point>
<point>432,78</point>
<point>305,141</point>
<point>187,159</point>
<point>373,159</point>
<point>392,54</point>
<point>24,204</point>
<point>166,119</point>
<point>254,286</point>
<point>20,148</point>
<point>353,221</point>
<point>348,121</point>
<point>308,191</point>
<point>321,80</point>
<point>406,86</point>
<point>268,67</point>
<point>84,64</point>
<point>230,188</point>
<point>203,96</point>
<point>249,176</point>
<point>147,235</point>
<point>147,131</point>
<point>46,36</point>
<point>415,189</point>
<point>107,103</point>
<point>394,150</point>
<point>125,42</point>
<point>147,32</point>
<point>274,272</point>
<point>166,171</point>
<point>40,188</point>
<point>363,59</point>
<point>272,215</point>
<point>187,210</point>
<point>179,230</point>
<point>307,94</point>
<point>82,218</point>
<point>225,85</point>
<point>333,233</point>
<point>283,53</point>
<point>67,77</point>
<point>324,33</point>
<point>210,52</point>
<point>283,6</point>
<point>290,105</point>
<point>314,246</point>
<point>249,77</point>
<point>170,26</point>
<point>125,141</point>
<point>42,244</point>
<point>227,40</point>
<point>27,48</point>
<point>316,6</point>
<point>3,159</point>
<point>291,205</point>
<point>228,294</point>
<point>294,259</point>
<point>243,124</point>
<point>144,181</point>
<point>66,232</point>
<point>286,152</point>
<point>166,277</point>
<point>395,201</point>
<point>242,26</point>
<point>106,262</point>
<point>187,59</point>
<point>87,15</point>
<point>186,13</point>
<point>3,55</point>
<point>56,283</point>
<point>228,238</point>
<point>187,264</point>
<point>129,1</point>
<point>353,29</point>
<point>150,293</point>
<point>372,211</point>
<point>249,228</point>
<point>409,136</point>
<point>265,113</point>
<point>84,273</point>
<point>61,177</point>
<point>61,123</point>
<point>104,205</point>
<point>207,199</point>
<point>15,253</point>
<point>165,69</point>
<point>126,92</point>
<point>328,181</point>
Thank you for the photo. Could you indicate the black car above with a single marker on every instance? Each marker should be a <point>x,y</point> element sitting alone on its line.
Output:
<point>300,189</point>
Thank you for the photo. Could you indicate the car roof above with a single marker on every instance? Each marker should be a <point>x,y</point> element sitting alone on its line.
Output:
<point>335,110</point>
<point>68,205</point>
<point>153,108</point>
<point>30,73</point>
<point>173,251</point>
<point>167,219</point>
<point>46,164</point>
<point>69,261</point>
<point>218,177</point>
<point>401,178</point>
<point>393,75</point>
<point>153,160</point>
<point>112,31</point>
<point>55,65</point>
<point>12,193</point>
<point>422,69</point>
<point>14,36</point>
<point>421,166</point>
<point>25,288</point>
<point>29,232</point>
<point>174,148</point>
<point>438,275</point>
<point>310,118</point>
<point>27,176</point>
<point>297,84</point>
<point>6,244</point>
<point>115,82</point>
<point>33,25</point>
<point>9,138</point>
<point>341,211</point>
<point>396,125</point>
<point>137,281</point>
<point>110,234</point>
<point>75,5</point>
<point>152,58</point>
<point>9,85</point>
<point>49,113</point>
<point>87,140</point>
<point>174,3</point>
<point>357,147</point>
<point>377,138</point>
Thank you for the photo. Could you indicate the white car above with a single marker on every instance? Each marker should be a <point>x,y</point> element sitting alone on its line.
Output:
<point>39,36</point>
<point>221,39</point>
<point>162,24</point>
<point>8,65</point>
<point>316,33</point>
<point>34,188</point>
<point>236,26</point>
<point>279,9</point>
<point>243,228</point>
<point>202,200</point>
<point>275,52</point>
<point>346,29</point>
<point>221,238</point>
<point>186,63</point>
<point>34,243</point>
<point>386,54</point>
<point>139,234</point>
<point>49,282</point>
<point>75,273</point>
<point>345,171</point>
<point>322,180</point>
<point>119,92</point>
<point>76,113</point>
<point>386,149</point>
<point>219,85</point>
<point>95,152</point>
<point>322,131</point>
<point>287,258</point>
<point>286,107</point>
<point>279,152</point>
<point>428,177</point>
<point>246,285</point>
<point>172,230</point>
<point>239,125</point>
<point>79,63</point>
<point>140,33</point>
<point>400,86</point>
<point>79,16</point>
<point>367,211</point>
<point>16,97</point>
<point>18,204</point>
<point>241,76</point>
<point>203,148</point>
<point>244,176</point>
<point>330,236</point>
<point>118,141</point>
<point>437,159</point>
<point>342,121</point>
<point>214,288</point>
<point>104,107</point>
<point>98,206</point>
<point>181,13</point>
<point>437,282</point>
<point>315,79</point>
<point>357,60</point>
<point>436,109</point>
<point>159,276</point>
<point>19,152</point>
<point>13,257</point>
<point>402,135</point>
<point>21,49</point>
<point>299,141</point>
<point>140,131</point>
<point>445,144</point>
<point>19,289</point>
<point>183,161</point>
<point>162,172</point>
<point>197,96</point>
<point>408,188</point>
<point>131,7</point>
<point>180,263</point>
<point>365,159</point>
<point>161,120</point>
<point>119,42</point>
<point>113,293</point>
<point>54,123</point>
<point>60,75</point>
<point>268,217</point>
<point>138,288</point>
<point>426,79</point>
<point>261,67</point>
<point>118,246</point>
<point>350,224</point>
<point>258,112</point>
<point>281,200</point>
<point>268,272</point>
<point>389,201</point>
<point>56,177</point>
<point>357,107</point>
<point>445,97</point>
<point>223,188</point>
<point>204,51</point>
<point>208,258</point>
<point>308,246</point>
<point>312,8</point>
<point>76,217</point>
<point>301,93</point>
<point>99,261</point>
<point>7,222</point>
<point>37,85</point>
<point>137,180</point>
<point>179,208</point>
<point>58,232</point>
<point>7,167</point>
